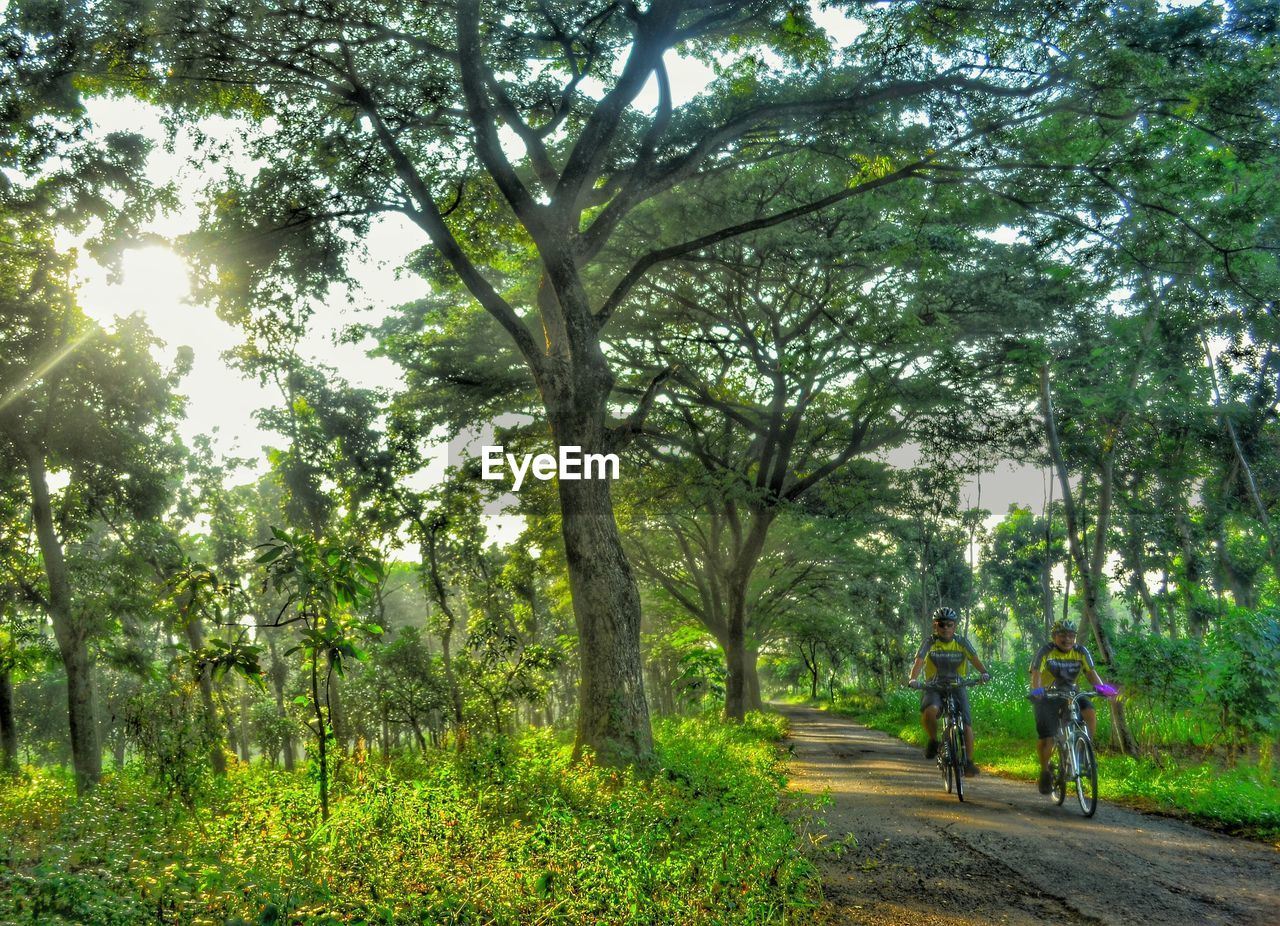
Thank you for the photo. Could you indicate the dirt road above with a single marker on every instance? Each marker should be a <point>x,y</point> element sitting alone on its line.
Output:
<point>1008,855</point>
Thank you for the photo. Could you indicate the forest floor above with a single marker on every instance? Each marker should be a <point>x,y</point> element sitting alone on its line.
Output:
<point>900,851</point>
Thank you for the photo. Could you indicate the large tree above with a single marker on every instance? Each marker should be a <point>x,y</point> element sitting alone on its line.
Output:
<point>93,405</point>
<point>74,398</point>
<point>795,352</point>
<point>489,126</point>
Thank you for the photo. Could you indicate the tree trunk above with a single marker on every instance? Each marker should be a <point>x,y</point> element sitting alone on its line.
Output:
<point>1090,568</point>
<point>1139,566</point>
<point>338,725</point>
<point>246,737</point>
<point>1046,594</point>
<point>441,596</point>
<point>1046,565</point>
<point>417,733</point>
<point>810,657</point>
<point>195,640</point>
<point>613,716</point>
<point>8,727</point>
<point>1171,619</point>
<point>1244,591</point>
<point>735,650</point>
<point>751,665</point>
<point>322,739</point>
<point>1148,602</point>
<point>71,634</point>
<point>738,580</point>
<point>279,675</point>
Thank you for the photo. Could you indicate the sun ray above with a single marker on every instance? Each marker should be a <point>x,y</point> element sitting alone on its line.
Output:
<point>45,368</point>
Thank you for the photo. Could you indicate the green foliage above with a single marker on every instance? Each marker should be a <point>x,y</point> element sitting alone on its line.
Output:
<point>511,831</point>
<point>322,581</point>
<point>701,674</point>
<point>1158,671</point>
<point>164,721</point>
<point>1243,680</point>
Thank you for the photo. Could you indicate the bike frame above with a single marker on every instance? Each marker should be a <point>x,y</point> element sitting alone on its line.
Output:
<point>951,765</point>
<point>1076,763</point>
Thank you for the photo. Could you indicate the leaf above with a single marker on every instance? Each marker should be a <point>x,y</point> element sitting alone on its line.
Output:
<point>273,554</point>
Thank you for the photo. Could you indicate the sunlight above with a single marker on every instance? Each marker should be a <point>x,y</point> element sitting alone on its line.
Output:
<point>153,283</point>
<point>43,368</point>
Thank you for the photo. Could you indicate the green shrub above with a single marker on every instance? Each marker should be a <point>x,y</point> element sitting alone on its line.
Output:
<point>511,831</point>
<point>1243,680</point>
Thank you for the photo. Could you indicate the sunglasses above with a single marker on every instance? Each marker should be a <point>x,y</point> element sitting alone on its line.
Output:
<point>944,623</point>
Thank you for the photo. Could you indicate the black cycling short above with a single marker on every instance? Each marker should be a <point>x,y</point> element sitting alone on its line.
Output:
<point>929,697</point>
<point>1047,711</point>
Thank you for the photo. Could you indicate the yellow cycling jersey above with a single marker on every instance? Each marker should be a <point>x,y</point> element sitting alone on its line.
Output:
<point>1059,669</point>
<point>948,659</point>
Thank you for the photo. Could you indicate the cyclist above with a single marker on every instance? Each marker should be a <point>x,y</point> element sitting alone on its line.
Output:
<point>945,656</point>
<point>1058,664</point>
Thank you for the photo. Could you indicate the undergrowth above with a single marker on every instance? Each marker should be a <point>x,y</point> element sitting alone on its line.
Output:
<point>510,831</point>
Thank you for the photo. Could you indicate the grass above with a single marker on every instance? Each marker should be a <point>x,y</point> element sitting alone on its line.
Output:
<point>510,832</point>
<point>1240,799</point>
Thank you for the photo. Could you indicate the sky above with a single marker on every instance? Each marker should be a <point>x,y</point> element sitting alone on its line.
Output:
<point>221,403</point>
<point>154,283</point>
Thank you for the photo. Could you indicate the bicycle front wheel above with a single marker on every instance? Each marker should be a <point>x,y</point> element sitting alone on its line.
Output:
<point>1086,776</point>
<point>1058,770</point>
<point>955,743</point>
<point>944,762</point>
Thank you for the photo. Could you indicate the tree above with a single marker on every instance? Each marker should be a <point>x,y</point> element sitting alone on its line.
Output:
<point>408,686</point>
<point>375,108</point>
<point>1115,374</point>
<point>1017,564</point>
<point>87,402</point>
<point>795,354</point>
<point>73,398</point>
<point>322,581</point>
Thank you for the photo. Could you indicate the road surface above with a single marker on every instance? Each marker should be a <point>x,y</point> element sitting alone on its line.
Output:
<point>915,856</point>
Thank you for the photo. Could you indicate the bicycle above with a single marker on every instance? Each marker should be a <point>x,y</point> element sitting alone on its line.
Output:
<point>1073,759</point>
<point>952,757</point>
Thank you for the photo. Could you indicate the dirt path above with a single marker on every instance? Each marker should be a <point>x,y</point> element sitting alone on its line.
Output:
<point>1008,855</point>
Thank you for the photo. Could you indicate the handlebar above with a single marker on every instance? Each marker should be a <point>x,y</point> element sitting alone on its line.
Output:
<point>1067,694</point>
<point>942,685</point>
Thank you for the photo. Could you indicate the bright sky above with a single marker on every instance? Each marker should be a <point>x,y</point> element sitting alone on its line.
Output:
<point>154,284</point>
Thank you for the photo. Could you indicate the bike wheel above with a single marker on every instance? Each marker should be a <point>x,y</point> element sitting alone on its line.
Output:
<point>956,743</point>
<point>944,761</point>
<point>1086,776</point>
<point>1057,769</point>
